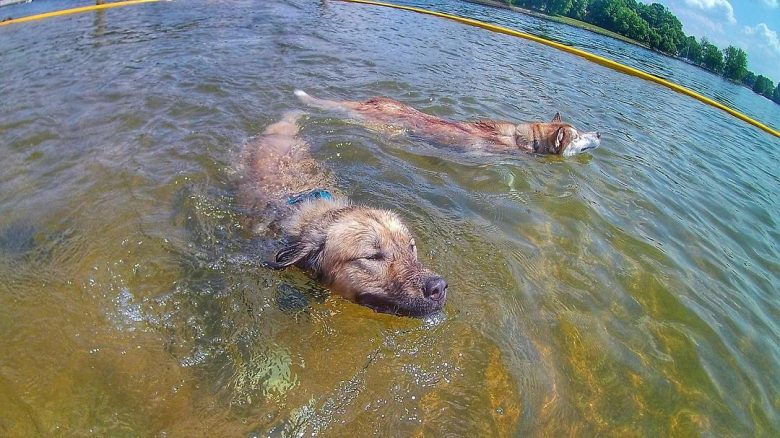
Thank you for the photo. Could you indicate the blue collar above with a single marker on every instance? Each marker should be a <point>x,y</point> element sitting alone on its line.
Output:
<point>310,196</point>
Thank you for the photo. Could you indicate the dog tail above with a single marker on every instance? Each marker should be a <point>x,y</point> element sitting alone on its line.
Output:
<point>288,125</point>
<point>343,105</point>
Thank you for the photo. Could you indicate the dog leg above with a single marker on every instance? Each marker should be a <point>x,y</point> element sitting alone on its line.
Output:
<point>340,105</point>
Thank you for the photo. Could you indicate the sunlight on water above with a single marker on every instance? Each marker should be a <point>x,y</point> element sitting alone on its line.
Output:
<point>627,292</point>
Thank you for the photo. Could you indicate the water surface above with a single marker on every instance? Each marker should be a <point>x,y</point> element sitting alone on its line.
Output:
<point>628,292</point>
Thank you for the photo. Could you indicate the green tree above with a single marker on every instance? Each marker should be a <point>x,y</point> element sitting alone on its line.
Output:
<point>558,7</point>
<point>770,89</point>
<point>776,95</point>
<point>749,80</point>
<point>604,13</point>
<point>578,9</point>
<point>654,14</point>
<point>669,28</point>
<point>638,29</point>
<point>711,56</point>
<point>627,20</point>
<point>762,84</point>
<point>692,50</point>
<point>652,24</point>
<point>734,63</point>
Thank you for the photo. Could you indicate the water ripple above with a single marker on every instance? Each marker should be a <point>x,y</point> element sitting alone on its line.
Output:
<point>627,292</point>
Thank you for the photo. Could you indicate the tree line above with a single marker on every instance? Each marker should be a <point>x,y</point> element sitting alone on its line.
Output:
<point>656,27</point>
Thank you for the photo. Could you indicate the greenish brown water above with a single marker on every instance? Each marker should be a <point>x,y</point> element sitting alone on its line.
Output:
<point>631,292</point>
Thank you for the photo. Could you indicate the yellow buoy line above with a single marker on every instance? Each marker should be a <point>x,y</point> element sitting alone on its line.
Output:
<point>587,55</point>
<point>75,11</point>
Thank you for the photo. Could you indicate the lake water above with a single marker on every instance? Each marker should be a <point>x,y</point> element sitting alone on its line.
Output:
<point>628,292</point>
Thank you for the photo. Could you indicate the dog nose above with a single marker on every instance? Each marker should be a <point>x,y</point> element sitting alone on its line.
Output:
<point>435,288</point>
<point>598,134</point>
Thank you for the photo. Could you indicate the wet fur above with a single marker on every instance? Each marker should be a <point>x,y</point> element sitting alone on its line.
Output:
<point>555,137</point>
<point>364,254</point>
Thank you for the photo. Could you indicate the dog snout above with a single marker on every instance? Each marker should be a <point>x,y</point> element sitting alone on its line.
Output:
<point>598,135</point>
<point>435,288</point>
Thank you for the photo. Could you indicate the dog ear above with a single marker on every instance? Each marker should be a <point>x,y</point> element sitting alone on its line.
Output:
<point>557,118</point>
<point>559,138</point>
<point>304,253</point>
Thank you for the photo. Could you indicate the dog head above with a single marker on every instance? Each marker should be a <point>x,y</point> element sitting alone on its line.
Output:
<point>560,138</point>
<point>368,256</point>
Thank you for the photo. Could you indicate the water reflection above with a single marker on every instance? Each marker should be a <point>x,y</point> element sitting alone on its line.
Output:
<point>99,25</point>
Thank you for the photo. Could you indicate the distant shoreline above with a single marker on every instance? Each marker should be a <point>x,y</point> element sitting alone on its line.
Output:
<point>564,20</point>
<point>591,28</point>
<point>601,31</point>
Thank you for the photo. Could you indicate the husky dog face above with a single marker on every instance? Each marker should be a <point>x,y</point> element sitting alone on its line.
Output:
<point>557,138</point>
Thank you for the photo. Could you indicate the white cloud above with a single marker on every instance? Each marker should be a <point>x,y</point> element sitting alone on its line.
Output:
<point>703,17</point>
<point>719,8</point>
<point>763,47</point>
<point>764,37</point>
<point>771,3</point>
<point>699,24</point>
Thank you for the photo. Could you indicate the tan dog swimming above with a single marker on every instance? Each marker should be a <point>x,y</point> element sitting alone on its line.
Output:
<point>492,136</point>
<point>364,254</point>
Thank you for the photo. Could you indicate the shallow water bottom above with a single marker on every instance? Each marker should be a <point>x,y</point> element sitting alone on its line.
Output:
<point>626,292</point>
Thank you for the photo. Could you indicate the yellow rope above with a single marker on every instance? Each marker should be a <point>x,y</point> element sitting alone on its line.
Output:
<point>589,56</point>
<point>75,11</point>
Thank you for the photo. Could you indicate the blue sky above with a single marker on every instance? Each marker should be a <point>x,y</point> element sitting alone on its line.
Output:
<point>753,25</point>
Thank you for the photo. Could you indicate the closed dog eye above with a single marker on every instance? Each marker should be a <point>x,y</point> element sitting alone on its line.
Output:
<point>369,265</point>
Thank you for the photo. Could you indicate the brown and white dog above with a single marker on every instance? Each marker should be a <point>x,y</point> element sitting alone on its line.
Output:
<point>364,254</point>
<point>491,136</point>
